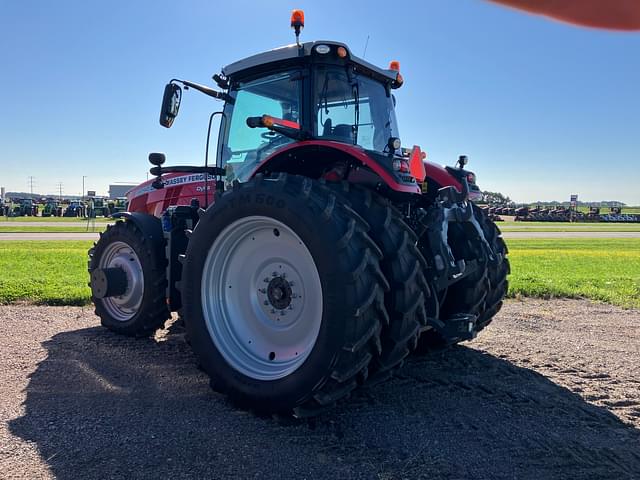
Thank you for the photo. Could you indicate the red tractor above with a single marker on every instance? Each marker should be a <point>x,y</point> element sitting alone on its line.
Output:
<point>317,253</point>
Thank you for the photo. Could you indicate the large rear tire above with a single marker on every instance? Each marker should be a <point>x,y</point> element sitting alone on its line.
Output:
<point>274,246</point>
<point>480,293</point>
<point>497,271</point>
<point>403,265</point>
<point>142,309</point>
<point>466,296</point>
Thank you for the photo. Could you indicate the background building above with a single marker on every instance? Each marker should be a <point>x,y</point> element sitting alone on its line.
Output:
<point>119,189</point>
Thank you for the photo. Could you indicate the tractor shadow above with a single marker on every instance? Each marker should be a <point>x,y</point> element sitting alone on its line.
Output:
<point>104,406</point>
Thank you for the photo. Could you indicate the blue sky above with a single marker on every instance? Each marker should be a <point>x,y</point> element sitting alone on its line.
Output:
<point>541,108</point>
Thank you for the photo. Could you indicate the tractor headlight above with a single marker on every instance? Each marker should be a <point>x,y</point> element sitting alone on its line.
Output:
<point>394,143</point>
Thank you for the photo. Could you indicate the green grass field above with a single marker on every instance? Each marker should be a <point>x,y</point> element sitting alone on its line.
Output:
<point>53,273</point>
<point>607,270</point>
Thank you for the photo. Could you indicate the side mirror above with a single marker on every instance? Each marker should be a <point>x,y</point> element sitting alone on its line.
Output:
<point>170,104</point>
<point>157,159</point>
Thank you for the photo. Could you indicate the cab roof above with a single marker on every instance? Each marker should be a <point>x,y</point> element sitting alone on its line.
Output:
<point>289,53</point>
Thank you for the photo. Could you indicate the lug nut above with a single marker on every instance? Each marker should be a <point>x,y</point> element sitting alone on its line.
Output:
<point>274,274</point>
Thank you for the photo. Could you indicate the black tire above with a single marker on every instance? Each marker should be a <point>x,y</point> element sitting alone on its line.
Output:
<point>353,310</point>
<point>466,296</point>
<point>403,265</point>
<point>497,272</point>
<point>153,311</point>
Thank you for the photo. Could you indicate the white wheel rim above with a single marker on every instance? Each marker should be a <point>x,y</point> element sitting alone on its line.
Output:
<point>125,306</point>
<point>261,298</point>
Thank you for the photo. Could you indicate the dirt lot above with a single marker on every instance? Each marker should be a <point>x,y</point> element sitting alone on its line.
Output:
<point>551,390</point>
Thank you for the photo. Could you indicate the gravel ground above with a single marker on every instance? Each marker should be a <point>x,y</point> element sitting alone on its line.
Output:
<point>550,390</point>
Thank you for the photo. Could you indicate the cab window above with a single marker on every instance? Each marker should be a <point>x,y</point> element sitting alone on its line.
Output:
<point>275,95</point>
<point>355,110</point>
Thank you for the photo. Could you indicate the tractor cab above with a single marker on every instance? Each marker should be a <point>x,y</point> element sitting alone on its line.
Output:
<point>315,92</point>
<point>311,109</point>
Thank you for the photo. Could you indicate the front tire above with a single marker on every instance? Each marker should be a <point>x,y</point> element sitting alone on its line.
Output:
<point>234,293</point>
<point>142,309</point>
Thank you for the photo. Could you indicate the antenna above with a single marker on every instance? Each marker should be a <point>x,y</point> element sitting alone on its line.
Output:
<point>366,44</point>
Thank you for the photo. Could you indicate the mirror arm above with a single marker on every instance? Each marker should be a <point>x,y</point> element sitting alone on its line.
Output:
<point>204,89</point>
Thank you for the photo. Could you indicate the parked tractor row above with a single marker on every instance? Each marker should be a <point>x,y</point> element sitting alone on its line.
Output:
<point>98,207</point>
<point>564,214</point>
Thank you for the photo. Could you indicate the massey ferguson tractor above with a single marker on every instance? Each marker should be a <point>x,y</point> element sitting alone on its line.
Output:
<point>317,253</point>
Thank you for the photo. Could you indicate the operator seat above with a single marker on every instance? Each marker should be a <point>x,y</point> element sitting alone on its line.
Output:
<point>341,132</point>
<point>326,128</point>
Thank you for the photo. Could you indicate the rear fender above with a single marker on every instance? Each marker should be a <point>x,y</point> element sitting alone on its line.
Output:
<point>440,177</point>
<point>150,227</point>
<point>298,158</point>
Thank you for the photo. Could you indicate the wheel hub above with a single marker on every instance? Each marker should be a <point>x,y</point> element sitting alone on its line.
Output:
<point>279,293</point>
<point>279,288</point>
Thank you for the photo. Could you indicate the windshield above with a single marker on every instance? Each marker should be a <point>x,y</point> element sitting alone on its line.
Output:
<point>276,95</point>
<point>356,110</point>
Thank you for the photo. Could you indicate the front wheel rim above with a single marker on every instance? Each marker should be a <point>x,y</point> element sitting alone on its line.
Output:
<point>261,298</point>
<point>121,255</point>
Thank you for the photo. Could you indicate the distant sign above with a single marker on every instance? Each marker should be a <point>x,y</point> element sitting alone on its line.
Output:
<point>91,193</point>
<point>574,198</point>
